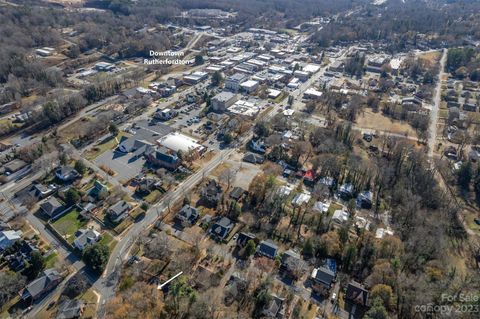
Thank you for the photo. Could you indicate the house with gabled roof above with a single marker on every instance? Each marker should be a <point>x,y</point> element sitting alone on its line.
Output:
<point>49,279</point>
<point>222,228</point>
<point>119,211</point>
<point>66,173</point>
<point>187,216</point>
<point>70,309</point>
<point>357,300</point>
<point>275,308</point>
<point>267,249</point>
<point>51,207</point>
<point>323,278</point>
<point>85,238</point>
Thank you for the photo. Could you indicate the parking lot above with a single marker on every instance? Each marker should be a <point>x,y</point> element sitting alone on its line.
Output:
<point>126,166</point>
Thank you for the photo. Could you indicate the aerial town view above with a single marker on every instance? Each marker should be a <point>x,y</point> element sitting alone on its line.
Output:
<point>234,159</point>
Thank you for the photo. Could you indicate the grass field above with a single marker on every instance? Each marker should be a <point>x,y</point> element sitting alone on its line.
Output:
<point>90,299</point>
<point>153,197</point>
<point>51,260</point>
<point>105,145</point>
<point>377,121</point>
<point>68,224</point>
<point>108,240</point>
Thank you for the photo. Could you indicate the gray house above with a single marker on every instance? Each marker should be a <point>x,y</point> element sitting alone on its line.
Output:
<point>51,207</point>
<point>187,216</point>
<point>42,285</point>
<point>222,228</point>
<point>119,211</point>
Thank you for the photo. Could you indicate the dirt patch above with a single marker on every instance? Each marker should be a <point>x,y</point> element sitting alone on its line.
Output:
<point>377,121</point>
<point>430,57</point>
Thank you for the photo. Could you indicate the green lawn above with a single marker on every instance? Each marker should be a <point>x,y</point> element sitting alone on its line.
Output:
<point>51,260</point>
<point>108,240</point>
<point>153,196</point>
<point>90,299</point>
<point>105,145</point>
<point>333,207</point>
<point>68,224</point>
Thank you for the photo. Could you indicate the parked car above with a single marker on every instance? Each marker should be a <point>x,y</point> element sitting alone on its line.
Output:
<point>334,297</point>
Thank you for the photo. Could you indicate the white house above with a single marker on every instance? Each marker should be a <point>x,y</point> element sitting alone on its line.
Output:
<point>340,216</point>
<point>85,238</point>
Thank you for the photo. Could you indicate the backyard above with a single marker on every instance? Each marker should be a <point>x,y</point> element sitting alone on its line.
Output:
<point>68,224</point>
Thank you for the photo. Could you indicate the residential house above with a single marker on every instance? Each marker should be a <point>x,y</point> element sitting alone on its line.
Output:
<point>322,279</point>
<point>327,181</point>
<point>222,228</point>
<point>292,263</point>
<point>345,191</point>
<point>301,199</point>
<point>98,191</point>
<point>340,216</point>
<point>356,300</point>
<point>243,239</point>
<point>85,238</point>
<point>253,158</point>
<point>412,103</point>
<point>41,191</point>
<point>119,211</point>
<point>8,238</point>
<point>364,199</point>
<point>275,308</point>
<point>187,216</point>
<point>87,210</point>
<point>258,146</point>
<point>147,185</point>
<point>70,309</point>
<point>21,256</point>
<point>51,207</point>
<point>309,177</point>
<point>321,207</point>
<point>267,249</point>
<point>211,193</point>
<point>42,285</point>
<point>237,194</point>
<point>66,173</point>
<point>14,166</point>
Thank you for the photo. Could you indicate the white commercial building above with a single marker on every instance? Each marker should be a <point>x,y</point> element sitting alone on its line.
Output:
<point>244,108</point>
<point>312,93</point>
<point>178,142</point>
<point>249,86</point>
<point>223,100</point>
<point>233,82</point>
<point>311,68</point>
<point>273,94</point>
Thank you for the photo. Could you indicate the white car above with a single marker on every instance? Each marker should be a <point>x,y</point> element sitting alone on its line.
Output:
<point>334,297</point>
